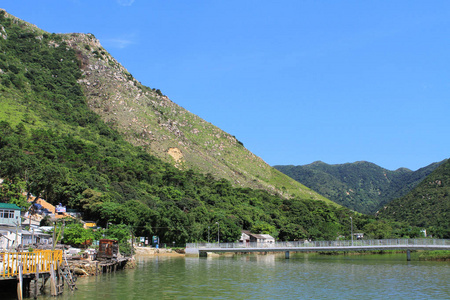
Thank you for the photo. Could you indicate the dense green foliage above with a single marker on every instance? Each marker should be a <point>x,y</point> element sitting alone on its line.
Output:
<point>76,235</point>
<point>361,186</point>
<point>111,181</point>
<point>427,206</point>
<point>53,146</point>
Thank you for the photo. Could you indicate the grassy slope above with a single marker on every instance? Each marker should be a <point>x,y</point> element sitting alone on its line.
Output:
<point>149,119</point>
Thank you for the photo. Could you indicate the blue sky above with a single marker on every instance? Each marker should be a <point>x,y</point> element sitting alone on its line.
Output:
<point>295,81</point>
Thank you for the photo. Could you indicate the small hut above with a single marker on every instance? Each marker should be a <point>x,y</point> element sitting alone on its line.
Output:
<point>108,249</point>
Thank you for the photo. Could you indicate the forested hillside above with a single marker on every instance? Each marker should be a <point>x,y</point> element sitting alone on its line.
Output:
<point>361,186</point>
<point>146,117</point>
<point>54,145</point>
<point>427,206</point>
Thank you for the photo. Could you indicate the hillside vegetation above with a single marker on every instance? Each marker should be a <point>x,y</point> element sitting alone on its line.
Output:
<point>56,143</point>
<point>361,186</point>
<point>147,118</point>
<point>427,205</point>
<point>54,146</point>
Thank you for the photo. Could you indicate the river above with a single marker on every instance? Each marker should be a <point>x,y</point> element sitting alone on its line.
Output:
<point>303,276</point>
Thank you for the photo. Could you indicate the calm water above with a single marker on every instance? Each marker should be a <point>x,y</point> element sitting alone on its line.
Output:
<point>303,276</point>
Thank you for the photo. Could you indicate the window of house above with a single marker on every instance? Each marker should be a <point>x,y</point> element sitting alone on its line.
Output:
<point>6,214</point>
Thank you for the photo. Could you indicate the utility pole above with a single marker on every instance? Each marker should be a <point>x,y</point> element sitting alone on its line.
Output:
<point>17,236</point>
<point>351,222</point>
<point>218,232</point>
<point>54,235</point>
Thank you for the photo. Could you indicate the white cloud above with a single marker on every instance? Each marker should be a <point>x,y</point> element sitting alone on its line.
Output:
<point>125,2</point>
<point>118,42</point>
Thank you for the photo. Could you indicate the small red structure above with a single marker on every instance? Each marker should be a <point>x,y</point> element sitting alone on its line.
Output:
<point>108,249</point>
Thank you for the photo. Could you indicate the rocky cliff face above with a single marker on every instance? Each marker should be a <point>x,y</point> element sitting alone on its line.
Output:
<point>150,119</point>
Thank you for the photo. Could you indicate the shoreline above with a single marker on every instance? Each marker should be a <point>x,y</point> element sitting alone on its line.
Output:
<point>150,251</point>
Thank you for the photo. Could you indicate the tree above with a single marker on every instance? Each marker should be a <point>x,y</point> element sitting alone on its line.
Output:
<point>265,228</point>
<point>11,191</point>
<point>378,230</point>
<point>122,234</point>
<point>76,235</point>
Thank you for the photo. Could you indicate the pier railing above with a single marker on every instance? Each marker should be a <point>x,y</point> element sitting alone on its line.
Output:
<point>332,244</point>
<point>30,261</point>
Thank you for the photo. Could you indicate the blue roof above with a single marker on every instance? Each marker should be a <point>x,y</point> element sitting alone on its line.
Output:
<point>9,206</point>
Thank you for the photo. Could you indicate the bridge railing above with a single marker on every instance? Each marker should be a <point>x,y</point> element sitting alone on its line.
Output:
<point>333,244</point>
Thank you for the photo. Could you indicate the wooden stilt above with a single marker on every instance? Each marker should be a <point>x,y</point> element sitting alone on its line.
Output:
<point>36,282</point>
<point>53,291</point>
<point>44,282</point>
<point>26,287</point>
<point>20,283</point>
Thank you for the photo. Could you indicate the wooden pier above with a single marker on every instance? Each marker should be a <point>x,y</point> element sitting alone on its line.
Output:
<point>39,265</point>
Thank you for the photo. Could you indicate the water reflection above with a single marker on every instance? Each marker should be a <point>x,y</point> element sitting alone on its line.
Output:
<point>303,276</point>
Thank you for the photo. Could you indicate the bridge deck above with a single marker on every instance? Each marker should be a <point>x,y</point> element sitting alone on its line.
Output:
<point>359,245</point>
<point>311,249</point>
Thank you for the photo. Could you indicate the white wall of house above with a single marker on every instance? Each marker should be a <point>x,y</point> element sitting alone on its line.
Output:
<point>8,238</point>
<point>9,217</point>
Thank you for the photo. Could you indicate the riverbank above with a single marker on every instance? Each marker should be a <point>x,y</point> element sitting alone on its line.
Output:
<point>442,255</point>
<point>85,267</point>
<point>150,251</point>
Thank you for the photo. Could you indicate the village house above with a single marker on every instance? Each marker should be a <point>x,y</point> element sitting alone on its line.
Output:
<point>359,235</point>
<point>35,236</point>
<point>261,239</point>
<point>9,214</point>
<point>12,233</point>
<point>10,225</point>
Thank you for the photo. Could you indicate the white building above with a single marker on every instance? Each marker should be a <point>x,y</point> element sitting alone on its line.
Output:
<point>261,239</point>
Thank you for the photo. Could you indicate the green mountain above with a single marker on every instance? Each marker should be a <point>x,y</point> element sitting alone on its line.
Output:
<point>427,205</point>
<point>76,128</point>
<point>143,116</point>
<point>361,186</point>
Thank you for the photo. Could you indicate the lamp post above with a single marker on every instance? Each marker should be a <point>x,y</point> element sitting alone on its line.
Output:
<point>351,222</point>
<point>218,232</point>
<point>208,234</point>
<point>107,223</point>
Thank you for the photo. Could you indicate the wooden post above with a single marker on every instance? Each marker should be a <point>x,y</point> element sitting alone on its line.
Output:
<point>60,280</point>
<point>54,235</point>
<point>36,281</point>
<point>53,291</point>
<point>46,277</point>
<point>20,283</point>
<point>26,287</point>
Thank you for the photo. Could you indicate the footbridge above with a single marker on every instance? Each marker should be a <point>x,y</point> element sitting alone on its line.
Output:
<point>201,249</point>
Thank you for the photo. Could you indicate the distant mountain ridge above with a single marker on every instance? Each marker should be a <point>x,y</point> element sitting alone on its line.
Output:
<point>361,186</point>
<point>427,205</point>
